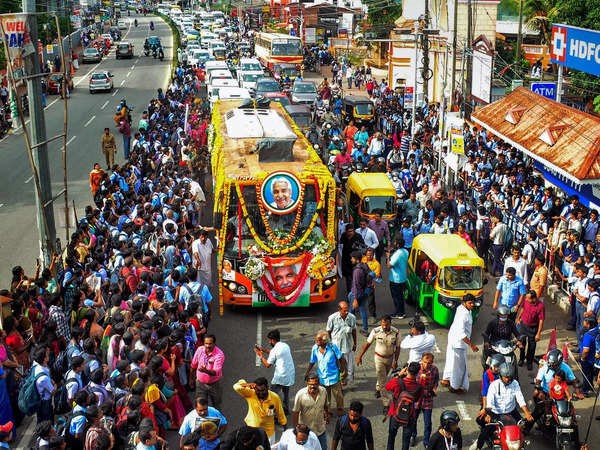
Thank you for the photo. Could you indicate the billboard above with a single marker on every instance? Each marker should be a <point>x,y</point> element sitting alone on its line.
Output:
<point>576,48</point>
<point>483,61</point>
<point>16,32</point>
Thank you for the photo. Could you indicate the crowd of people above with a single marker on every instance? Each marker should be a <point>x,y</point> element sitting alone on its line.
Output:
<point>110,346</point>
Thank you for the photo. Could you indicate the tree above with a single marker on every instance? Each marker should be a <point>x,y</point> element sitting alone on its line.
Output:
<point>541,14</point>
<point>383,13</point>
<point>10,6</point>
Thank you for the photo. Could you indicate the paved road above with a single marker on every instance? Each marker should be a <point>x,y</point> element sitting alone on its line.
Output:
<point>238,330</point>
<point>135,79</point>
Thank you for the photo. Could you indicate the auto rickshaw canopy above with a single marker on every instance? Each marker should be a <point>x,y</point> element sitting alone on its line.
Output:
<point>447,250</point>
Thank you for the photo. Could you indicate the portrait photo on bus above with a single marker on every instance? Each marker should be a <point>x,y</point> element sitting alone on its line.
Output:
<point>281,192</point>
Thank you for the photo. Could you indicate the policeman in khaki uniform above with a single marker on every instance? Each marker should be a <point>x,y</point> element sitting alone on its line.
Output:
<point>387,350</point>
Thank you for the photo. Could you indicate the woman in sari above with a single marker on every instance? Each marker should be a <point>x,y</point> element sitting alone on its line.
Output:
<point>12,377</point>
<point>18,346</point>
<point>158,401</point>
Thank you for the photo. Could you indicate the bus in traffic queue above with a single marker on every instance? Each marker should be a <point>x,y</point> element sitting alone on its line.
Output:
<point>274,209</point>
<point>273,49</point>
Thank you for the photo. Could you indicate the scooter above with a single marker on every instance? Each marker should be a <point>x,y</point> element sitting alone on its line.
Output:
<point>505,348</point>
<point>508,435</point>
<point>560,421</point>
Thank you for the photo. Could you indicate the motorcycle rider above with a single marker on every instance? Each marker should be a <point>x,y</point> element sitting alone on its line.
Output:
<point>554,363</point>
<point>502,327</point>
<point>146,47</point>
<point>135,22</point>
<point>342,159</point>
<point>448,435</point>
<point>161,53</point>
<point>503,397</point>
<point>491,374</point>
<point>151,25</point>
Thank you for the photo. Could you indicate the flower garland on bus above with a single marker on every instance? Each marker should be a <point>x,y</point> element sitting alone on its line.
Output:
<point>263,214</point>
<point>271,249</point>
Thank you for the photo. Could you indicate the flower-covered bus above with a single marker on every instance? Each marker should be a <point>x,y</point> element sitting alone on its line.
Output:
<point>274,209</point>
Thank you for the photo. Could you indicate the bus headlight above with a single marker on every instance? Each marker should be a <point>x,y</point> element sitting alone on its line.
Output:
<point>231,286</point>
<point>242,290</point>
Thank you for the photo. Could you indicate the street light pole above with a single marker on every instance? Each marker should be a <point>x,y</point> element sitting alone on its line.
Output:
<point>414,104</point>
<point>45,210</point>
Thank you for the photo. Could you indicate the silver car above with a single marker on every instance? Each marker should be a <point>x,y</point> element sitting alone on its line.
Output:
<point>91,55</point>
<point>101,81</point>
<point>304,92</point>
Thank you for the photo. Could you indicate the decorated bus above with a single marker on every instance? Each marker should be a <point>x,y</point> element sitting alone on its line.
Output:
<point>274,209</point>
<point>273,49</point>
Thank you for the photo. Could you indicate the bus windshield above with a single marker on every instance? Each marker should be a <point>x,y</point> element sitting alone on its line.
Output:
<point>460,277</point>
<point>286,48</point>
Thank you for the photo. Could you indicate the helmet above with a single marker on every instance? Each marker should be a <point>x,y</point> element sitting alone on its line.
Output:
<point>503,310</point>
<point>380,160</point>
<point>506,370</point>
<point>555,358</point>
<point>448,418</point>
<point>496,360</point>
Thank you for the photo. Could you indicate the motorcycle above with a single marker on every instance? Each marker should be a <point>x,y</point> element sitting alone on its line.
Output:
<point>151,26</point>
<point>154,53</point>
<point>560,421</point>
<point>161,54</point>
<point>505,348</point>
<point>508,435</point>
<point>135,23</point>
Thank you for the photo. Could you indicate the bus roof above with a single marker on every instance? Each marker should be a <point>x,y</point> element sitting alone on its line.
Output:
<point>239,158</point>
<point>279,37</point>
<point>371,183</point>
<point>447,249</point>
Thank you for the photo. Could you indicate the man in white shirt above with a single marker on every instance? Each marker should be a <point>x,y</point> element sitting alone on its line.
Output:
<point>368,235</point>
<point>519,263</point>
<point>202,250</point>
<point>285,373</point>
<point>299,438</point>
<point>418,342</point>
<point>341,327</point>
<point>456,374</point>
<point>503,397</point>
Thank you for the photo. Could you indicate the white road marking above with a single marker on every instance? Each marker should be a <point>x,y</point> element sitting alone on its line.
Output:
<point>462,410</point>
<point>128,73</point>
<point>71,140</point>
<point>1,205</point>
<point>133,67</point>
<point>104,105</point>
<point>89,121</point>
<point>115,93</point>
<point>122,82</point>
<point>259,332</point>
<point>29,179</point>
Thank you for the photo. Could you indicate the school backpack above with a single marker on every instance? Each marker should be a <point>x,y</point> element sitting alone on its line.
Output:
<point>60,366</point>
<point>72,440</point>
<point>404,408</point>
<point>486,228</point>
<point>29,398</point>
<point>61,397</point>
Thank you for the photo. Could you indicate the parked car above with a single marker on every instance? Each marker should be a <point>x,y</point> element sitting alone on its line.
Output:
<point>304,92</point>
<point>124,50</point>
<point>54,81</point>
<point>91,55</point>
<point>101,81</point>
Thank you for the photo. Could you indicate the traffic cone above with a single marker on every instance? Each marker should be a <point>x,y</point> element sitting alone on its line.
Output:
<point>72,71</point>
<point>565,351</point>
<point>552,342</point>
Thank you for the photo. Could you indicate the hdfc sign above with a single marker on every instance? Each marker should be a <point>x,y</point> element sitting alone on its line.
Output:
<point>576,48</point>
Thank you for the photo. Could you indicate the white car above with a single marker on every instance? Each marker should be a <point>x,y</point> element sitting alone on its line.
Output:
<point>199,57</point>
<point>101,81</point>
<point>122,24</point>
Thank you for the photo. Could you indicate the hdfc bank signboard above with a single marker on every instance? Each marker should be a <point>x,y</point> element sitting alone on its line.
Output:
<point>576,48</point>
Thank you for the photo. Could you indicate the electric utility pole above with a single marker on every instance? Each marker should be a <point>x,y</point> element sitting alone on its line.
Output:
<point>45,210</point>
<point>469,55</point>
<point>425,49</point>
<point>454,49</point>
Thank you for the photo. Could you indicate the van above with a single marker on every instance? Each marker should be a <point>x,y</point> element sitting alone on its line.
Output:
<point>211,66</point>
<point>220,74</point>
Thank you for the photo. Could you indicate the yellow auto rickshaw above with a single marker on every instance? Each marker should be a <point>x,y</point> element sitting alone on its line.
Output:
<point>442,268</point>
<point>359,108</point>
<point>370,193</point>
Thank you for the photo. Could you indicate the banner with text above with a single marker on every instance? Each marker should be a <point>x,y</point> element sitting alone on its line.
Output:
<point>576,48</point>
<point>18,39</point>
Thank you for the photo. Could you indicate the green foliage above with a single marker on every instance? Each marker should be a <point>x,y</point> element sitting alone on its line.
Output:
<point>10,6</point>
<point>382,13</point>
<point>508,8</point>
<point>46,28</point>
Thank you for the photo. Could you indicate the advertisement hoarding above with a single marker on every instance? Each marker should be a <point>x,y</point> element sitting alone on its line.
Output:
<point>576,48</point>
